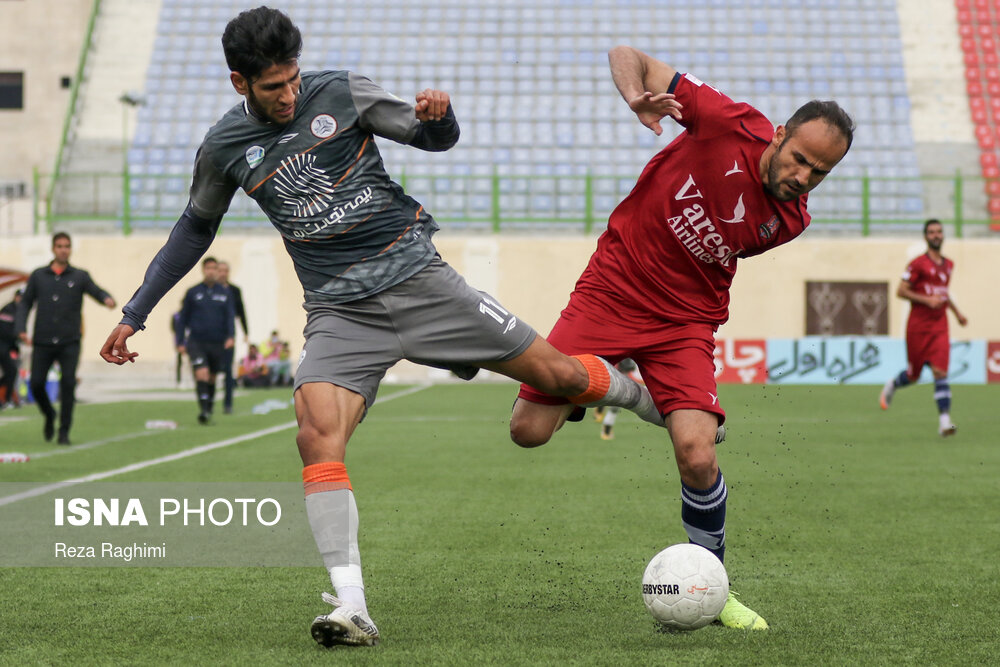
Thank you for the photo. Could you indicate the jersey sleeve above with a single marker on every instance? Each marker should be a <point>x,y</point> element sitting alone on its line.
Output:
<point>94,290</point>
<point>27,301</point>
<point>707,112</point>
<point>912,272</point>
<point>211,191</point>
<point>380,112</point>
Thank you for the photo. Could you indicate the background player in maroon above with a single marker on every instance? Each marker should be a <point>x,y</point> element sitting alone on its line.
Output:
<point>925,286</point>
<point>731,186</point>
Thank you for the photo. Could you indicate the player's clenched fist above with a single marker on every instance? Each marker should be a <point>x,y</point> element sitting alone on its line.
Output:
<point>431,104</point>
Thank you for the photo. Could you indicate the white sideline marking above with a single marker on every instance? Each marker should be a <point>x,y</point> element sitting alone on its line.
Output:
<point>91,445</point>
<point>194,451</point>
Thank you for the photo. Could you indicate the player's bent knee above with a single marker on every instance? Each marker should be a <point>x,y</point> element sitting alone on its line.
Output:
<point>526,434</point>
<point>698,467</point>
<point>311,438</point>
<point>307,437</point>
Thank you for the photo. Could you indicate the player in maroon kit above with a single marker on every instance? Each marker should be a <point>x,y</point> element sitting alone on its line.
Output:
<point>731,186</point>
<point>925,286</point>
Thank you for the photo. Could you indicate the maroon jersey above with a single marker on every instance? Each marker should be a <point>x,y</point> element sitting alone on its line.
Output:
<point>671,245</point>
<point>927,277</point>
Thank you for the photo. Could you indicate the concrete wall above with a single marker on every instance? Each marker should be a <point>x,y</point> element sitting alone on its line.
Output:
<point>532,276</point>
<point>41,38</point>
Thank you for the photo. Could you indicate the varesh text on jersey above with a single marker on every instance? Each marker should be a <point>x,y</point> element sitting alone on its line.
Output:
<point>699,205</point>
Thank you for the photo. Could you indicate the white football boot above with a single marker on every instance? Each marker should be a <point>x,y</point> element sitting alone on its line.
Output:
<point>344,625</point>
<point>885,398</point>
<point>945,427</point>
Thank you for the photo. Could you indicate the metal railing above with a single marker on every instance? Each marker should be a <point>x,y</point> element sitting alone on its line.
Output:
<point>860,205</point>
<point>71,109</point>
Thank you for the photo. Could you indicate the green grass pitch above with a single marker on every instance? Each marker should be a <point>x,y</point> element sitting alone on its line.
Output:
<point>861,536</point>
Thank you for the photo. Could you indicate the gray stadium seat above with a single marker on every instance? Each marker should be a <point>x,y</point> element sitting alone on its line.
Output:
<point>531,88</point>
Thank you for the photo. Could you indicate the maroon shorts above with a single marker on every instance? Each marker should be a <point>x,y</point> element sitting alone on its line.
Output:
<point>926,347</point>
<point>675,360</point>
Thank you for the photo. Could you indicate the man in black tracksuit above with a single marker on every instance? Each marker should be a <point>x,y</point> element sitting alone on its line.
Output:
<point>207,322</point>
<point>58,290</point>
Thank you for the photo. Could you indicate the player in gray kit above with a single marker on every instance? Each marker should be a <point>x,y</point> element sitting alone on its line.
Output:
<point>376,291</point>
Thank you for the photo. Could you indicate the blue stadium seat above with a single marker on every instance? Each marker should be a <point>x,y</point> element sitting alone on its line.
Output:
<point>531,88</point>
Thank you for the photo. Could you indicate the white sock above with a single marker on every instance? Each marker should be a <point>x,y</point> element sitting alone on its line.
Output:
<point>945,420</point>
<point>622,391</point>
<point>353,596</point>
<point>333,517</point>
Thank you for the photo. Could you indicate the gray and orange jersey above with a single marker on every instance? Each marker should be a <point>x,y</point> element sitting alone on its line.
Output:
<point>349,229</point>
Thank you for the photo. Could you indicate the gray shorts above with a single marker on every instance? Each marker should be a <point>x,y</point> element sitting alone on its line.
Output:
<point>434,318</point>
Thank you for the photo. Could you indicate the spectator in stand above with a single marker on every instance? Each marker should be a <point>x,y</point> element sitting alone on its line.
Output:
<point>253,372</point>
<point>277,360</point>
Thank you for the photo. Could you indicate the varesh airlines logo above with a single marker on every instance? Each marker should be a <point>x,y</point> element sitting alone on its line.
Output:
<point>738,212</point>
<point>323,125</point>
<point>696,231</point>
<point>255,155</point>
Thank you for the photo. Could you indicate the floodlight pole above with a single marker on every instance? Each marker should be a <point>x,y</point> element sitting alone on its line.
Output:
<point>126,204</point>
<point>128,99</point>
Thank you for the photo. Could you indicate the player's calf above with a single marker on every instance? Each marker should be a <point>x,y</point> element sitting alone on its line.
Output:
<point>609,386</point>
<point>533,424</point>
<point>889,390</point>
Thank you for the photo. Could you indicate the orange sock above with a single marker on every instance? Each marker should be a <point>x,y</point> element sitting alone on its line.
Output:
<point>598,380</point>
<point>331,476</point>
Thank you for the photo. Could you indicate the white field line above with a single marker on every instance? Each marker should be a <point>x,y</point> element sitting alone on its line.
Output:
<point>194,451</point>
<point>90,445</point>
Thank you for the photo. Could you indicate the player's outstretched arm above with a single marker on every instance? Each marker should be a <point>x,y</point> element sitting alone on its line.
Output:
<point>115,350</point>
<point>188,241</point>
<point>429,124</point>
<point>643,82</point>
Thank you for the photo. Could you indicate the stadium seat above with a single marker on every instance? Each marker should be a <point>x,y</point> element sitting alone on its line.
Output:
<point>551,60</point>
<point>994,208</point>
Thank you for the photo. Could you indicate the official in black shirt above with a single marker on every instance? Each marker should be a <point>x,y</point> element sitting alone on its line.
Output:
<point>207,322</point>
<point>57,289</point>
<point>241,315</point>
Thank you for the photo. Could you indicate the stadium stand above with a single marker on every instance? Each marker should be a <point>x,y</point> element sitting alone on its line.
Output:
<point>979,30</point>
<point>538,110</point>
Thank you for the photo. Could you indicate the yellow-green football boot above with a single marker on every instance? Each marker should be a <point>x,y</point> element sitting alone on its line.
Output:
<point>737,615</point>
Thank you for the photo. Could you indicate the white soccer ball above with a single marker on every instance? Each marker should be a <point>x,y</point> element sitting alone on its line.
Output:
<point>685,587</point>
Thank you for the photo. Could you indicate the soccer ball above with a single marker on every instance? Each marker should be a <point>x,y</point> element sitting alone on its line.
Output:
<point>685,587</point>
